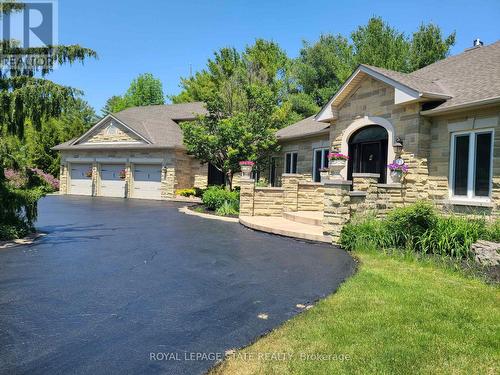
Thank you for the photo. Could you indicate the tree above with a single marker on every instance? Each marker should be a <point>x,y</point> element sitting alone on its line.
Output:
<point>246,104</point>
<point>73,122</point>
<point>143,90</point>
<point>114,104</point>
<point>323,66</point>
<point>428,46</point>
<point>380,45</point>
<point>26,97</point>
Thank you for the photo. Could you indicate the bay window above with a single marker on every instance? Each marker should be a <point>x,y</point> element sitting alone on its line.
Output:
<point>471,164</point>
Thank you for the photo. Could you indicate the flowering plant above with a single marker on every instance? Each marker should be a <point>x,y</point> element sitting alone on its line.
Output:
<point>123,174</point>
<point>247,162</point>
<point>394,167</point>
<point>88,173</point>
<point>15,178</point>
<point>337,156</point>
<point>50,180</point>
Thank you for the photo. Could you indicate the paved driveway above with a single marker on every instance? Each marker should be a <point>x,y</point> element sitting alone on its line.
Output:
<point>116,280</point>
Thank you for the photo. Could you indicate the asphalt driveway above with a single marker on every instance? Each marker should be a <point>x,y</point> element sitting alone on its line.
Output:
<point>116,282</point>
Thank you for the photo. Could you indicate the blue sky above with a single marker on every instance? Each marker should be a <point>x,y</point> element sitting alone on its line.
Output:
<point>166,37</point>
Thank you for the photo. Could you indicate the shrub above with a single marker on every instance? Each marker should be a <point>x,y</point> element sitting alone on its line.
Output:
<point>407,224</point>
<point>228,209</point>
<point>11,232</point>
<point>48,182</point>
<point>215,196</point>
<point>417,228</point>
<point>186,192</point>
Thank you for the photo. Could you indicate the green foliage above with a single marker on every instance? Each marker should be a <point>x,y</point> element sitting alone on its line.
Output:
<point>407,224</point>
<point>428,46</point>
<point>492,231</point>
<point>228,209</point>
<point>451,236</point>
<point>215,197</point>
<point>144,90</point>
<point>381,45</point>
<point>420,229</point>
<point>322,67</point>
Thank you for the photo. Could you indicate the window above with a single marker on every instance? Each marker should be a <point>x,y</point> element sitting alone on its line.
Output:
<point>471,164</point>
<point>320,161</point>
<point>291,162</point>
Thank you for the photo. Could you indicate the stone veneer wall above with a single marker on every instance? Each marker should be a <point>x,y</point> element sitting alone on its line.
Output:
<point>268,201</point>
<point>310,196</point>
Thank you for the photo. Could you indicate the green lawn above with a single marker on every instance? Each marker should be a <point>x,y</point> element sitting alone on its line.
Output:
<point>394,316</point>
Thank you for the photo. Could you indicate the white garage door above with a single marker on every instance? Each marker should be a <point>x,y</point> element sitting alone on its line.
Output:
<point>147,181</point>
<point>111,183</point>
<point>80,184</point>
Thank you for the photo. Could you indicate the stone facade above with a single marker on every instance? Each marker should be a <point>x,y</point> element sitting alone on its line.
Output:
<point>112,132</point>
<point>426,152</point>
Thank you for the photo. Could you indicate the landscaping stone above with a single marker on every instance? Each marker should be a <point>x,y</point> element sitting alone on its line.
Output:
<point>486,253</point>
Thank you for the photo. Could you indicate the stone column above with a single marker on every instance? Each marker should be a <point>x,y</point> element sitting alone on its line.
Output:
<point>247,196</point>
<point>63,178</point>
<point>96,180</point>
<point>168,182</point>
<point>290,185</point>
<point>337,210</point>
<point>367,182</point>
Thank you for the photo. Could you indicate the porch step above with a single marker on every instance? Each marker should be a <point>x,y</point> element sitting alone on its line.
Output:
<point>284,227</point>
<point>305,217</point>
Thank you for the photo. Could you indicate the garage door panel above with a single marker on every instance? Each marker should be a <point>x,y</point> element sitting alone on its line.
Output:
<point>111,183</point>
<point>80,183</point>
<point>147,181</point>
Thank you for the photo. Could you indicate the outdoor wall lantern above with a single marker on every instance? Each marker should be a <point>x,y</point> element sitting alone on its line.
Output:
<point>398,147</point>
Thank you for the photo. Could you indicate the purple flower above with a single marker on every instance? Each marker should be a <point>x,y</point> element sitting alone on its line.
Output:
<point>403,168</point>
<point>47,177</point>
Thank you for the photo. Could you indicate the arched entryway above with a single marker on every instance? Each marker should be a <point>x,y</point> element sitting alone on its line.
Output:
<point>368,152</point>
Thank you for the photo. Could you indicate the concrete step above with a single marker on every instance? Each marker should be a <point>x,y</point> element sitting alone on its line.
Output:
<point>284,227</point>
<point>305,217</point>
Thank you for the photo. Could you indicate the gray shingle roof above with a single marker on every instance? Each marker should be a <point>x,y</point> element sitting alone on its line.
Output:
<point>303,128</point>
<point>470,76</point>
<point>157,123</point>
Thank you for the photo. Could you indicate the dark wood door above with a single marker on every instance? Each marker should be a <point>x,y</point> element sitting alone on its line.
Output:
<point>368,157</point>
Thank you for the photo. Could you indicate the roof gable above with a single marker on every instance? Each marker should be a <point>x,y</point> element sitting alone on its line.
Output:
<point>111,130</point>
<point>407,89</point>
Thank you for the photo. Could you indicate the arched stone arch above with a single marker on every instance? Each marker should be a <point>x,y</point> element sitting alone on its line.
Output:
<point>361,123</point>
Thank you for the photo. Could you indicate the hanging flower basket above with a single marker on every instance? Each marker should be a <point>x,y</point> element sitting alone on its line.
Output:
<point>88,174</point>
<point>123,174</point>
<point>397,171</point>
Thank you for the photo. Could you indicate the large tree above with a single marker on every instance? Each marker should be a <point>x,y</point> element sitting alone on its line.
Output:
<point>27,97</point>
<point>323,66</point>
<point>143,90</point>
<point>245,97</point>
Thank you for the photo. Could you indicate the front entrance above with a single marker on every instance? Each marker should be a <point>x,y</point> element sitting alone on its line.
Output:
<point>368,152</point>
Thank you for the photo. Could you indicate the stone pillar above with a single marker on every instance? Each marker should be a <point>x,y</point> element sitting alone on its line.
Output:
<point>247,196</point>
<point>367,182</point>
<point>96,180</point>
<point>337,210</point>
<point>168,182</point>
<point>63,178</point>
<point>290,185</point>
<point>128,180</point>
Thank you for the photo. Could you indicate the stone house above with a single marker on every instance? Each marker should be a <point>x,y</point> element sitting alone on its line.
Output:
<point>135,153</point>
<point>442,122</point>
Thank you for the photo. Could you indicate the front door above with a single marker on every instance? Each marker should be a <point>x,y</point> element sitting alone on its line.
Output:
<point>368,152</point>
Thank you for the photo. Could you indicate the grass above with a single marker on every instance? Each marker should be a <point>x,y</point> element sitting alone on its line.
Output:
<point>396,315</point>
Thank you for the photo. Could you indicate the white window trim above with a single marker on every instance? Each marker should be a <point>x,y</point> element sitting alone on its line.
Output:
<point>471,165</point>
<point>314,160</point>
<point>291,162</point>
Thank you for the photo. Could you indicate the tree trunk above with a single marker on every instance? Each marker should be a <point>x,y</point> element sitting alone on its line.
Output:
<point>229,180</point>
